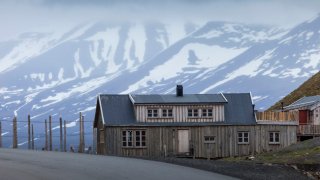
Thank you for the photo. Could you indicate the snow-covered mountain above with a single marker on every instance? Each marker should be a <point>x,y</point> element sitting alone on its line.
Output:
<point>62,73</point>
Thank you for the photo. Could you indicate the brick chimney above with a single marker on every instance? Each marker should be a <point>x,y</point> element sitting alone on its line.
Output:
<point>179,91</point>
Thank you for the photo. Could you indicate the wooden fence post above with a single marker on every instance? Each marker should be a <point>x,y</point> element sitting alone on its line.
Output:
<point>29,143</point>
<point>65,136</point>
<point>46,134</point>
<point>61,148</point>
<point>80,134</point>
<point>83,142</point>
<point>50,134</point>
<point>32,134</point>
<point>0,135</point>
<point>15,135</point>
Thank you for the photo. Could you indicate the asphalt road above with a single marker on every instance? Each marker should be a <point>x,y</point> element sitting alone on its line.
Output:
<point>34,165</point>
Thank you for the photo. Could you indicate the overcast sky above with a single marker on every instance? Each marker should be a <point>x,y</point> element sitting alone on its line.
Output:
<point>18,16</point>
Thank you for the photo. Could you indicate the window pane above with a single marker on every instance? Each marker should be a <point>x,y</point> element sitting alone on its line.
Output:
<point>271,137</point>
<point>240,135</point>
<point>170,113</point>
<point>129,136</point>
<point>124,143</point>
<point>204,112</point>
<point>246,134</point>
<point>137,133</point>
<point>143,144</point>
<point>190,112</point>
<point>195,112</point>
<point>164,113</point>
<point>246,139</point>
<point>239,139</point>
<point>155,113</point>
<point>143,133</point>
<point>276,137</point>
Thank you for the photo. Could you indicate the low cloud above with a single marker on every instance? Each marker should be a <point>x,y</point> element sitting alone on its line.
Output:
<point>17,16</point>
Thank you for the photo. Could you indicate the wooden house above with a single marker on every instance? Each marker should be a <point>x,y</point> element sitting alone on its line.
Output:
<point>308,110</point>
<point>198,125</point>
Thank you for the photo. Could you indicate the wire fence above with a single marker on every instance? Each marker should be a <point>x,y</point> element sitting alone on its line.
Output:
<point>47,131</point>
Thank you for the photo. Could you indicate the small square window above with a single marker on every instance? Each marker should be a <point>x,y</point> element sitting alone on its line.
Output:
<point>166,112</point>
<point>152,113</point>
<point>243,137</point>
<point>274,137</point>
<point>193,112</point>
<point>209,139</point>
<point>206,112</point>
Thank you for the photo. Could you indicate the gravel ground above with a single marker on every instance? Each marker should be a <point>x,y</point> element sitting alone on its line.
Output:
<point>242,170</point>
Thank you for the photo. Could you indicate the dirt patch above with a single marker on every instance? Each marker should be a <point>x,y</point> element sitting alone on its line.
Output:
<point>242,170</point>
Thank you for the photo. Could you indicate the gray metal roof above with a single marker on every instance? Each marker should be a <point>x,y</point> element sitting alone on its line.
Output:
<point>239,109</point>
<point>304,101</point>
<point>173,99</point>
<point>118,110</point>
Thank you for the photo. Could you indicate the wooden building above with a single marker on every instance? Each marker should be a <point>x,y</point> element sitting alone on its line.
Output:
<point>198,125</point>
<point>308,116</point>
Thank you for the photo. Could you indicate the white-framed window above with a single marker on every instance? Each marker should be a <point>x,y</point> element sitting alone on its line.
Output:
<point>243,137</point>
<point>140,138</point>
<point>134,138</point>
<point>167,113</point>
<point>193,112</point>
<point>207,112</point>
<point>152,113</point>
<point>274,137</point>
<point>209,139</point>
<point>127,138</point>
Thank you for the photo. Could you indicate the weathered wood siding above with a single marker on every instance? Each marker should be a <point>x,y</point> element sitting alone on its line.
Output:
<point>164,140</point>
<point>101,136</point>
<point>309,130</point>
<point>180,113</point>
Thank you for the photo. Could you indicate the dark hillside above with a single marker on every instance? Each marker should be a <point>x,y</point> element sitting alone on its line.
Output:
<point>311,87</point>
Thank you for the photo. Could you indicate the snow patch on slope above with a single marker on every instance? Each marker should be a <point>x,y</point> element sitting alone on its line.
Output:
<point>136,41</point>
<point>206,57</point>
<point>250,69</point>
<point>110,40</point>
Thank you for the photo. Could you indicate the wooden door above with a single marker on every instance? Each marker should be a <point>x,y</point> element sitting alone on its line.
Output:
<point>303,116</point>
<point>183,141</point>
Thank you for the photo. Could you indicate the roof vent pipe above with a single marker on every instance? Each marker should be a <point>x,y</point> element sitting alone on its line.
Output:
<point>179,91</point>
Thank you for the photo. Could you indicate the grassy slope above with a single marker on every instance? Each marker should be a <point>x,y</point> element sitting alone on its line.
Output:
<point>306,152</point>
<point>309,88</point>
